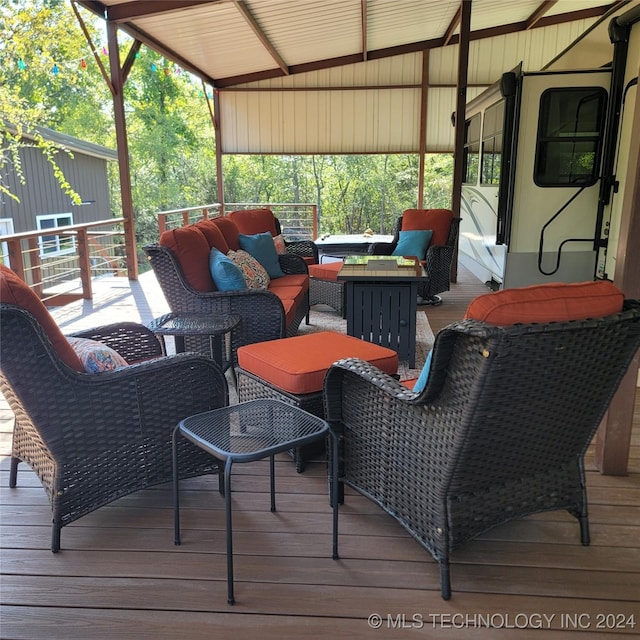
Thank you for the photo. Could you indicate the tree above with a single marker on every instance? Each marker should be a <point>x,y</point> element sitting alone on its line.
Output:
<point>43,82</point>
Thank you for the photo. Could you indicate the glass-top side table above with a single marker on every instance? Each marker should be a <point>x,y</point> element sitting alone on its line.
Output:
<point>250,431</point>
<point>181,325</point>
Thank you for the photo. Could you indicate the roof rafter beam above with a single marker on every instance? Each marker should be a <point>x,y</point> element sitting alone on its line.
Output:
<point>453,25</point>
<point>531,21</point>
<point>414,47</point>
<point>253,23</point>
<point>144,8</point>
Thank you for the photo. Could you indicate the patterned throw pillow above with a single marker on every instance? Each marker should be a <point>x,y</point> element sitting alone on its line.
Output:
<point>281,247</point>
<point>95,356</point>
<point>255,275</point>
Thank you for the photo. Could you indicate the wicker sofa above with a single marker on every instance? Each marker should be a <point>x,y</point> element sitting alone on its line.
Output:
<point>181,263</point>
<point>499,432</point>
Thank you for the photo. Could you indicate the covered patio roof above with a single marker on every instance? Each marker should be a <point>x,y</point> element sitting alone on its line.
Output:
<point>349,76</point>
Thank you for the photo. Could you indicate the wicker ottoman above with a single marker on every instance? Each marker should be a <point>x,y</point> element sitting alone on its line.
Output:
<point>293,370</point>
<point>324,287</point>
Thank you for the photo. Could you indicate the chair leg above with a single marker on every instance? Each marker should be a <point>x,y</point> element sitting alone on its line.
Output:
<point>55,538</point>
<point>445,580</point>
<point>432,301</point>
<point>13,472</point>
<point>585,537</point>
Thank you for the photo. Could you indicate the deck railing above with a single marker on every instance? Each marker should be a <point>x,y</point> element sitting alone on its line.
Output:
<point>299,220</point>
<point>59,263</point>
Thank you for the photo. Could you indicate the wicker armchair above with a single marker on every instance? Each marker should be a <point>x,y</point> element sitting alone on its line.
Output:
<point>499,432</point>
<point>92,438</point>
<point>439,257</point>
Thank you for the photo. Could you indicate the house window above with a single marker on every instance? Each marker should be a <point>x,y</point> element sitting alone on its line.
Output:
<point>471,156</point>
<point>55,245</point>
<point>6,229</point>
<point>492,144</point>
<point>569,136</point>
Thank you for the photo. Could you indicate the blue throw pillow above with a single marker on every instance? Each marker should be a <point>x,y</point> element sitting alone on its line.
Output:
<point>421,382</point>
<point>226,275</point>
<point>262,248</point>
<point>413,243</point>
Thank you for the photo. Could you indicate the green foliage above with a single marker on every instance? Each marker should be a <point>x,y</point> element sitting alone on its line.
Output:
<point>171,136</point>
<point>353,192</point>
<point>43,83</point>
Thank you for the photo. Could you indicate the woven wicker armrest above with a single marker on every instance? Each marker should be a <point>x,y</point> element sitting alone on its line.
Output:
<point>304,249</point>
<point>133,341</point>
<point>345,371</point>
<point>382,248</point>
<point>292,263</point>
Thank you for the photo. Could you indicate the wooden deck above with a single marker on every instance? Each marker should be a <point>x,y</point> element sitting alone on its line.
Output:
<point>120,576</point>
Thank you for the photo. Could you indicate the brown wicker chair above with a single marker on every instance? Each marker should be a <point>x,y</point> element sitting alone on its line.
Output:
<point>439,257</point>
<point>92,438</point>
<point>499,432</point>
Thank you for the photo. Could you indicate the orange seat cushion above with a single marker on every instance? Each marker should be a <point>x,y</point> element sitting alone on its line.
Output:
<point>298,365</point>
<point>438,220</point>
<point>14,290</point>
<point>553,302</point>
<point>300,280</point>
<point>325,271</point>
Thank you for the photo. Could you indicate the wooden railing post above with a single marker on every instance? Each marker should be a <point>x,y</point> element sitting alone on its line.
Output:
<point>36,264</point>
<point>15,257</point>
<point>85,263</point>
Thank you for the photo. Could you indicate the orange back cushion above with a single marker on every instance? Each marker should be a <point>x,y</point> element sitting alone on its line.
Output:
<point>229,231</point>
<point>252,221</point>
<point>438,220</point>
<point>213,235</point>
<point>192,251</point>
<point>15,291</point>
<point>553,302</point>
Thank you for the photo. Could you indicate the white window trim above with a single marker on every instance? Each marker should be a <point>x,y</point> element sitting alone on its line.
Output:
<point>6,228</point>
<point>61,220</point>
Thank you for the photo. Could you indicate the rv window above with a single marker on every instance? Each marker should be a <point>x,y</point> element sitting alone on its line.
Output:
<point>569,136</point>
<point>492,143</point>
<point>471,149</point>
<point>55,245</point>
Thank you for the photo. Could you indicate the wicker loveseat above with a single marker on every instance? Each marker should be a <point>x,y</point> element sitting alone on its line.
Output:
<point>94,437</point>
<point>499,431</point>
<point>181,264</point>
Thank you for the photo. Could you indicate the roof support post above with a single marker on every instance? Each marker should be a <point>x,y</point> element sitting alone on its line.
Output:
<point>117,83</point>
<point>461,103</point>
<point>424,95</point>
<point>218,138</point>
<point>613,439</point>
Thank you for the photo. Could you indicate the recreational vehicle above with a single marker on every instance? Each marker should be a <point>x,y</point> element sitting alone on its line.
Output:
<point>545,161</point>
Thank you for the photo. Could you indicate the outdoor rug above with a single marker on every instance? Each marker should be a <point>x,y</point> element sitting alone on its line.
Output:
<point>324,318</point>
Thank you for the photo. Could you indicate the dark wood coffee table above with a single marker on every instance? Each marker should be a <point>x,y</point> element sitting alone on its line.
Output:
<point>381,301</point>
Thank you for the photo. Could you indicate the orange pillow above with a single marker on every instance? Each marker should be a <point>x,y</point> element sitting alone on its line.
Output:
<point>192,251</point>
<point>438,220</point>
<point>553,302</point>
<point>15,291</point>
